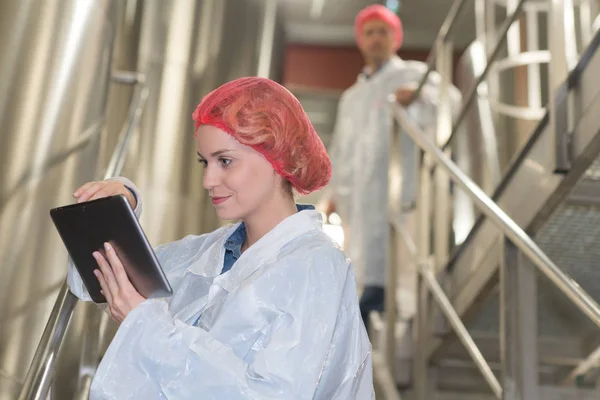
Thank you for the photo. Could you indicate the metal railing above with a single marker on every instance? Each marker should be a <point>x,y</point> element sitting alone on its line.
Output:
<point>521,240</point>
<point>39,377</point>
<point>494,213</point>
<point>435,157</point>
<point>425,269</point>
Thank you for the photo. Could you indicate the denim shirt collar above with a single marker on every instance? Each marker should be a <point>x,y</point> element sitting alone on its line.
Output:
<point>236,240</point>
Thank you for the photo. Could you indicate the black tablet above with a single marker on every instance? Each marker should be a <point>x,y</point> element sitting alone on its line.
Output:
<point>85,227</point>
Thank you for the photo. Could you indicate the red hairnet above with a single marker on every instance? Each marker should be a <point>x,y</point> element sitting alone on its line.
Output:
<point>265,116</point>
<point>382,13</point>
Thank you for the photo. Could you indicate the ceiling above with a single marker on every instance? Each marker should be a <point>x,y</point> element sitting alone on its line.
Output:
<point>329,22</point>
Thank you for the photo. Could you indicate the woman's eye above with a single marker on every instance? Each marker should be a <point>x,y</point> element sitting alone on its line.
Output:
<point>203,162</point>
<point>225,161</point>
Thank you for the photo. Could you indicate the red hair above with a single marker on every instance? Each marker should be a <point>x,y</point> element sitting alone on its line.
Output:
<point>381,13</point>
<point>265,116</point>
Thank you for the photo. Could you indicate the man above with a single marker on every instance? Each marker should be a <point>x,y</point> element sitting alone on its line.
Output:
<point>358,191</point>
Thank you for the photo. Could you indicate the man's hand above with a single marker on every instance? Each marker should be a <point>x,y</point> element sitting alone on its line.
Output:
<point>404,96</point>
<point>97,190</point>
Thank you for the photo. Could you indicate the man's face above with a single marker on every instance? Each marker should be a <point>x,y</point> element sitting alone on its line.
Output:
<point>376,41</point>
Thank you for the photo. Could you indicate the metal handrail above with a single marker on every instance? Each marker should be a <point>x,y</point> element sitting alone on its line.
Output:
<point>39,376</point>
<point>472,95</point>
<point>425,270</point>
<point>492,211</point>
<point>442,36</point>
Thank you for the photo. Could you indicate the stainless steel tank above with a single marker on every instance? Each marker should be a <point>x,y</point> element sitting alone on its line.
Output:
<point>54,77</point>
<point>57,132</point>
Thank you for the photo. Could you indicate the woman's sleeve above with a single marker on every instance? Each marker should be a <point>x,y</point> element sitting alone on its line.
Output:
<point>155,355</point>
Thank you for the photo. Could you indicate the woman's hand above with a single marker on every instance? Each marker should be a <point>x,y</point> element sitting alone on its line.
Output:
<point>97,190</point>
<point>116,286</point>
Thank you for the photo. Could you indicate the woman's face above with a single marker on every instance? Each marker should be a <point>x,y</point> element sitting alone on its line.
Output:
<point>239,180</point>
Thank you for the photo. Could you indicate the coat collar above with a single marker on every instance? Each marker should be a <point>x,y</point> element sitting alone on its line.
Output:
<point>264,250</point>
<point>365,76</point>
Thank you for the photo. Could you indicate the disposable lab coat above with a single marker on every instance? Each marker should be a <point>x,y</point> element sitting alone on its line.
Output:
<point>360,157</point>
<point>283,323</point>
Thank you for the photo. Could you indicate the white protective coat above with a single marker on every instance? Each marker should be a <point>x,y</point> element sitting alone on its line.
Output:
<point>283,323</point>
<point>360,157</point>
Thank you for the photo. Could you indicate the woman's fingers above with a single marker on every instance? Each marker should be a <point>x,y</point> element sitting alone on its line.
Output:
<point>117,267</point>
<point>83,188</point>
<point>108,275</point>
<point>90,191</point>
<point>105,291</point>
<point>122,297</point>
<point>97,190</point>
<point>102,192</point>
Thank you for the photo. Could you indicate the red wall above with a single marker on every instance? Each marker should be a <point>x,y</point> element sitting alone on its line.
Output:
<point>328,68</point>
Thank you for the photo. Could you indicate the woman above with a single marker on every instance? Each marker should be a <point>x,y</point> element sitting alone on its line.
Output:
<point>264,309</point>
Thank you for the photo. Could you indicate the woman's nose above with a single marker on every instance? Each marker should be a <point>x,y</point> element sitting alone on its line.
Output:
<point>210,179</point>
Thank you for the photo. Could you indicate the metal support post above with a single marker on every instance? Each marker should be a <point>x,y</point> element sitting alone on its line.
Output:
<point>442,179</point>
<point>421,361</point>
<point>424,388</point>
<point>518,326</point>
<point>442,200</point>
<point>390,302</point>
<point>562,44</point>
<point>534,80</point>
<point>89,357</point>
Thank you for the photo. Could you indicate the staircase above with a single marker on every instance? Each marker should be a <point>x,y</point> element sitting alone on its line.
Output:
<point>510,309</point>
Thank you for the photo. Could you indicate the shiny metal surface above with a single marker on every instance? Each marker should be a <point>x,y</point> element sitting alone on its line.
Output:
<point>53,89</point>
<point>476,148</point>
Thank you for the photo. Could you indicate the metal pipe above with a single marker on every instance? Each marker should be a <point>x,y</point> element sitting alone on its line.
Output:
<point>39,377</point>
<point>490,61</point>
<point>584,366</point>
<point>138,101</point>
<point>383,377</point>
<point>447,25</point>
<point>41,371</point>
<point>389,333</point>
<point>460,329</point>
<point>492,211</point>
